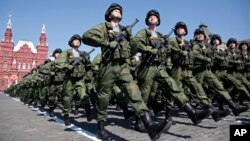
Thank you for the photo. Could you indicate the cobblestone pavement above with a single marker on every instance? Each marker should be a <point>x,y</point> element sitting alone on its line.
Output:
<point>20,123</point>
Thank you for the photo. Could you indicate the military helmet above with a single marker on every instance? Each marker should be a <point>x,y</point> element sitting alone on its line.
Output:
<point>153,12</point>
<point>74,37</point>
<point>215,36</point>
<point>243,43</point>
<point>112,7</point>
<point>180,24</point>
<point>58,50</point>
<point>232,40</point>
<point>198,31</point>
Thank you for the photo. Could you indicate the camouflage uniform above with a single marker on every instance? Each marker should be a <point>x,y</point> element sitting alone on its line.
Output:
<point>155,59</point>
<point>74,63</point>
<point>204,58</point>
<point>115,70</point>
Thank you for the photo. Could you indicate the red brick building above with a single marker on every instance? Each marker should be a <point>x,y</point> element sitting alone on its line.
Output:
<point>16,61</point>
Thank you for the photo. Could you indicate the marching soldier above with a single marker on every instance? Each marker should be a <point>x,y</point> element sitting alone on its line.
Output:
<point>155,55</point>
<point>74,63</point>
<point>203,55</point>
<point>242,58</point>
<point>182,71</point>
<point>115,70</point>
<point>54,78</point>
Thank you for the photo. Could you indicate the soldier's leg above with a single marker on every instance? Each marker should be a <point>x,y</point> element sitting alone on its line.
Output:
<point>122,102</point>
<point>43,97</point>
<point>104,89</point>
<point>197,89</point>
<point>141,110</point>
<point>180,98</point>
<point>68,89</point>
<point>54,91</point>
<point>29,97</point>
<point>211,80</point>
<point>155,98</point>
<point>35,97</point>
<point>82,98</point>
<point>236,83</point>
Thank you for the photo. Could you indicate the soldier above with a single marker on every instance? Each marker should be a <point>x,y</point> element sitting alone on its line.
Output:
<point>155,53</point>
<point>182,71</point>
<point>115,70</point>
<point>203,55</point>
<point>246,57</point>
<point>74,63</point>
<point>55,79</point>
<point>243,58</point>
<point>221,62</point>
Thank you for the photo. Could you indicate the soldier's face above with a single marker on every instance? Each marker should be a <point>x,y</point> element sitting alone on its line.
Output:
<point>116,14</point>
<point>76,43</point>
<point>216,42</point>
<point>232,45</point>
<point>244,47</point>
<point>181,31</point>
<point>57,54</point>
<point>200,37</point>
<point>153,20</point>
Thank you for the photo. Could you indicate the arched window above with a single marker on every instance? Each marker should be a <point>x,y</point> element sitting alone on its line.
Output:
<point>19,66</point>
<point>24,66</point>
<point>5,65</point>
<point>28,66</point>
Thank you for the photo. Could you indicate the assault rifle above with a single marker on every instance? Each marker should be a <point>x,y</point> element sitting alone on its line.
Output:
<point>79,61</point>
<point>122,36</point>
<point>159,44</point>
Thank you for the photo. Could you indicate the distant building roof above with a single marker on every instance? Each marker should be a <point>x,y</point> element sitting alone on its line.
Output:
<point>22,43</point>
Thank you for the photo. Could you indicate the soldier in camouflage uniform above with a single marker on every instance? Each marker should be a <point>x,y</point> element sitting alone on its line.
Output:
<point>55,79</point>
<point>246,59</point>
<point>223,69</point>
<point>203,58</point>
<point>238,58</point>
<point>155,57</point>
<point>74,63</point>
<point>115,70</point>
<point>43,97</point>
<point>182,70</point>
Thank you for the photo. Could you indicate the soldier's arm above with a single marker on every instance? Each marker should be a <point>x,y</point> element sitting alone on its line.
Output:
<point>96,36</point>
<point>141,41</point>
<point>45,69</point>
<point>62,62</point>
<point>197,54</point>
<point>173,46</point>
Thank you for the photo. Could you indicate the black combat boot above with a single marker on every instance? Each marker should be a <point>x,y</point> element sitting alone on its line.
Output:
<point>41,108</point>
<point>76,110</point>
<point>196,116</point>
<point>101,132</point>
<point>218,114</point>
<point>139,126</point>
<point>236,109</point>
<point>35,107</point>
<point>154,130</point>
<point>67,120</point>
<point>156,106</point>
<point>51,112</point>
<point>168,120</point>
<point>242,98</point>
<point>88,110</point>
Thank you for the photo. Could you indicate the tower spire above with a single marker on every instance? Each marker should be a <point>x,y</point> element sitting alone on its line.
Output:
<point>43,29</point>
<point>9,22</point>
<point>42,39</point>
<point>8,32</point>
